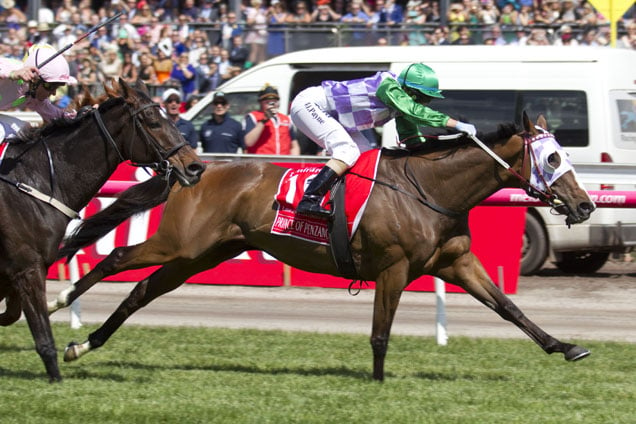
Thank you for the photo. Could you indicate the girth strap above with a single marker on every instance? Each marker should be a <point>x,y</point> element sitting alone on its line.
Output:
<point>25,188</point>
<point>338,232</point>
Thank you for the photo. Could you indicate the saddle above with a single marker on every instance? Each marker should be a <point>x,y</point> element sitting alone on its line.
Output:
<point>336,232</point>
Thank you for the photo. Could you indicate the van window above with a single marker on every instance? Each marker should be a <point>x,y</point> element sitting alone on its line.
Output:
<point>241,103</point>
<point>565,111</point>
<point>624,126</point>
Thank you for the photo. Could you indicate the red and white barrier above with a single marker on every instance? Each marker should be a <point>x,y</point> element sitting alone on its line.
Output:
<point>602,199</point>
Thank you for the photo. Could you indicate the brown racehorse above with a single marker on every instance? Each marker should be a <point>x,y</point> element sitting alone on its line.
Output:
<point>67,162</point>
<point>398,239</point>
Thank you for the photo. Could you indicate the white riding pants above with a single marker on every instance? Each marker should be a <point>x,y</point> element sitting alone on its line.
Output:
<point>308,113</point>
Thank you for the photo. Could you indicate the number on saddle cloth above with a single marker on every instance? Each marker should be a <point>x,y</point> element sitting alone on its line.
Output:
<point>10,126</point>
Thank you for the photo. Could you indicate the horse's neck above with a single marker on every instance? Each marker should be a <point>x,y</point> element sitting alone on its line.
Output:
<point>461,180</point>
<point>83,165</point>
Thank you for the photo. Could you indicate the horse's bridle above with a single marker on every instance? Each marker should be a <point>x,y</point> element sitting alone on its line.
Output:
<point>162,166</point>
<point>529,160</point>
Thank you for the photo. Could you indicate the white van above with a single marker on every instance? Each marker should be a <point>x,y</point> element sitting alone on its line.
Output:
<point>587,94</point>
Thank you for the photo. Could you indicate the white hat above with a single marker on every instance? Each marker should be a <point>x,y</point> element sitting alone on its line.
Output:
<point>57,70</point>
<point>7,4</point>
<point>165,47</point>
<point>170,92</point>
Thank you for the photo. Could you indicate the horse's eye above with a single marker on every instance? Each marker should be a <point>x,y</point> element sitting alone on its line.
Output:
<point>554,160</point>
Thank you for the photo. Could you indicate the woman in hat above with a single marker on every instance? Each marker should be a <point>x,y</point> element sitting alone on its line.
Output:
<point>335,113</point>
<point>29,85</point>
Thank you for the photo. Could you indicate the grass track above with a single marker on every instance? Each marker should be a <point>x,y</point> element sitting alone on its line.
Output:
<point>205,375</point>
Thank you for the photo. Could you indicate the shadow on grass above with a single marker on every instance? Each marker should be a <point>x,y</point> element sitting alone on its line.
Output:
<point>23,374</point>
<point>453,376</point>
<point>15,348</point>
<point>342,371</point>
<point>250,369</point>
<point>67,374</point>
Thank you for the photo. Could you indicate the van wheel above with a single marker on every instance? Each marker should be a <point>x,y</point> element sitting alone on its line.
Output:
<point>582,262</point>
<point>534,250</point>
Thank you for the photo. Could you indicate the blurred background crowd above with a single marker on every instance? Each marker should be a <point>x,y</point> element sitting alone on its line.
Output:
<point>196,45</point>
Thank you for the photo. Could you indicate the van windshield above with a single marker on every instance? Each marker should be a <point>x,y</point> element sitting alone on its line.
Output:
<point>566,111</point>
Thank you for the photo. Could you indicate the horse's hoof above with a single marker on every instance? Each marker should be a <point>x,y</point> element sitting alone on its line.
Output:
<point>71,352</point>
<point>576,353</point>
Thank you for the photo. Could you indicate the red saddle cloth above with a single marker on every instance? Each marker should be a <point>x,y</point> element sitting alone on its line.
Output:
<point>291,189</point>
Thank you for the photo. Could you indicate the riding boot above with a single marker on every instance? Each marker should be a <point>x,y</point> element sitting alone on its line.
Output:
<point>318,187</point>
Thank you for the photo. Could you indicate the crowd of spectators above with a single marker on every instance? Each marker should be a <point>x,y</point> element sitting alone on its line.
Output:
<point>196,45</point>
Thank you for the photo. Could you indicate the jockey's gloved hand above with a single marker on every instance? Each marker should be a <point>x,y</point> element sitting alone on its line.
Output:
<point>466,128</point>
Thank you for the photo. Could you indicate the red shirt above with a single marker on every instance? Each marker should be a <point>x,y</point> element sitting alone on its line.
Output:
<point>276,138</point>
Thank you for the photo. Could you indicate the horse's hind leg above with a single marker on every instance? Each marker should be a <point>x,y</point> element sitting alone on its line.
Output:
<point>388,291</point>
<point>162,281</point>
<point>468,273</point>
<point>30,284</point>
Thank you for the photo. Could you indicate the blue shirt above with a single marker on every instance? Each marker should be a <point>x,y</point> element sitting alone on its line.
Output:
<point>224,137</point>
<point>188,132</point>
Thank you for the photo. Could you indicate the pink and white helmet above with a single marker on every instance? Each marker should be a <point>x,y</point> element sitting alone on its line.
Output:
<point>56,70</point>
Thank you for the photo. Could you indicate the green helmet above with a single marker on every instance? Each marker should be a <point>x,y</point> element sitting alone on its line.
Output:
<point>422,78</point>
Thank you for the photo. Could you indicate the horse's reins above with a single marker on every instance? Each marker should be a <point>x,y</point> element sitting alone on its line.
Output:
<point>546,196</point>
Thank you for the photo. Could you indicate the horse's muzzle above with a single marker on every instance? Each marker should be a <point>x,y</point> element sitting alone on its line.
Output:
<point>578,215</point>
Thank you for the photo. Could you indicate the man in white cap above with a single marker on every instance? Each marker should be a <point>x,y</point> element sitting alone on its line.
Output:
<point>171,99</point>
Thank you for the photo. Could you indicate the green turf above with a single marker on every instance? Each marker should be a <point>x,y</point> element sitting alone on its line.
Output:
<point>203,375</point>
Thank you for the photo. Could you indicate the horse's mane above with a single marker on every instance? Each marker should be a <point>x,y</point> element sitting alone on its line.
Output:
<point>83,103</point>
<point>432,144</point>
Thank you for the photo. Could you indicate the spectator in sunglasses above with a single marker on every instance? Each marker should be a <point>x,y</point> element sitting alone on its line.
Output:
<point>172,105</point>
<point>221,133</point>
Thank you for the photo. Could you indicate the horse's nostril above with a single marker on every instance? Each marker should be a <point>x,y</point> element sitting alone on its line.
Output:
<point>195,169</point>
<point>586,207</point>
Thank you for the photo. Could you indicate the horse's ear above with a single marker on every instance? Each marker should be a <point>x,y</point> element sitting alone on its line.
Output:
<point>125,88</point>
<point>542,122</point>
<point>141,86</point>
<point>528,126</point>
<point>111,88</point>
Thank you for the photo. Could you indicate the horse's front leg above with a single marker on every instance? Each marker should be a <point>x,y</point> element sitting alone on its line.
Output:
<point>31,288</point>
<point>468,273</point>
<point>120,259</point>
<point>389,287</point>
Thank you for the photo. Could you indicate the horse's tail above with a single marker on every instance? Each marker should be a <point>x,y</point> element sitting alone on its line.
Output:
<point>137,199</point>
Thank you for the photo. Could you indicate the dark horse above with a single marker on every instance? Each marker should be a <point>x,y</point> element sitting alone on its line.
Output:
<point>414,224</point>
<point>70,160</point>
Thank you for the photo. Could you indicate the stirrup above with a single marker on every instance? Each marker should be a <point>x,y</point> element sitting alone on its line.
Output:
<point>310,205</point>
